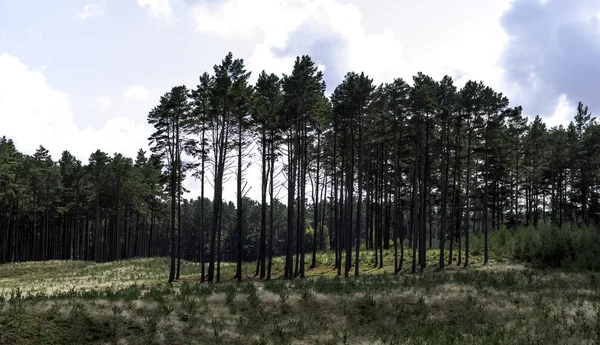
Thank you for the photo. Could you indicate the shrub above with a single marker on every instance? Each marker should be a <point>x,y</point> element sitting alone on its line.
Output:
<point>549,246</point>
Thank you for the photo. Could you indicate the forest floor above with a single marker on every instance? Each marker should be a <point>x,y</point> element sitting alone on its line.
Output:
<point>129,302</point>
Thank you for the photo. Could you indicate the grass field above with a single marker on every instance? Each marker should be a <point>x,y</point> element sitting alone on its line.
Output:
<point>128,302</point>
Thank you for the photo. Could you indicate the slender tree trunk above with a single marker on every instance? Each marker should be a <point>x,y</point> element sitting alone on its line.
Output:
<point>272,208</point>
<point>172,232</point>
<point>423,248</point>
<point>289,263</point>
<point>340,225</point>
<point>202,240</point>
<point>368,220</point>
<point>302,200</point>
<point>359,199</point>
<point>220,223</point>
<point>173,190</point>
<point>444,176</point>
<point>324,205</point>
<point>178,220</point>
<point>396,207</point>
<point>136,248</point>
<point>334,222</point>
<point>456,198</point>
<point>383,233</point>
<point>350,192</point>
<point>220,153</point>
<point>299,231</point>
<point>217,204</point>
<point>401,213</point>
<point>414,216</point>
<point>485,195</point>
<point>467,213</point>
<point>239,210</point>
<point>263,208</point>
<point>316,205</point>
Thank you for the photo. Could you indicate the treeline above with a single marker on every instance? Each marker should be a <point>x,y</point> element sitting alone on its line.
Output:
<point>51,210</point>
<point>373,167</point>
<point>106,210</point>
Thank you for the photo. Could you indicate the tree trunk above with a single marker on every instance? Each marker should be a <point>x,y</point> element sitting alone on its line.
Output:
<point>444,176</point>
<point>263,208</point>
<point>316,205</point>
<point>359,199</point>
<point>289,261</point>
<point>467,213</point>
<point>272,207</point>
<point>239,220</point>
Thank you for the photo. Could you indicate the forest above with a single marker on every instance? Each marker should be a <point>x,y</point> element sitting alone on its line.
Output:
<point>401,165</point>
<point>418,212</point>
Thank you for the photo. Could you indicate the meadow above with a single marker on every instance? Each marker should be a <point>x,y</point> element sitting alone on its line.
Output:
<point>508,301</point>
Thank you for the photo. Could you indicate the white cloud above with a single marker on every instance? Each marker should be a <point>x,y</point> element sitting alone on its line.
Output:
<point>552,60</point>
<point>90,11</point>
<point>473,51</point>
<point>136,92</point>
<point>459,40</point>
<point>157,8</point>
<point>33,113</point>
<point>276,20</point>
<point>101,102</point>
<point>562,114</point>
<point>467,47</point>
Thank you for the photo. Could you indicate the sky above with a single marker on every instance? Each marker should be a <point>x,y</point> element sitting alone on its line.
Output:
<point>82,75</point>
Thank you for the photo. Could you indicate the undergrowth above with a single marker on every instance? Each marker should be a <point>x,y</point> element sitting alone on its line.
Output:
<point>545,246</point>
<point>503,302</point>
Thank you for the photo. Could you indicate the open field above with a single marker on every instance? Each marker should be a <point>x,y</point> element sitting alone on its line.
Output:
<point>128,302</point>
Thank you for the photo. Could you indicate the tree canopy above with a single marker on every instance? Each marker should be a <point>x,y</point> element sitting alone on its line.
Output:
<point>410,165</point>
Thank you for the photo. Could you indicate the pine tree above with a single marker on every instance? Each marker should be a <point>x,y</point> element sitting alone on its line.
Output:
<point>266,108</point>
<point>302,92</point>
<point>169,119</point>
<point>229,76</point>
<point>199,147</point>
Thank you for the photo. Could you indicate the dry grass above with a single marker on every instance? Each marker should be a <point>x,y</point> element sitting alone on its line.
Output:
<point>129,303</point>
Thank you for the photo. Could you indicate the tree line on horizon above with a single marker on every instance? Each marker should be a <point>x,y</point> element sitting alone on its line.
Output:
<point>372,167</point>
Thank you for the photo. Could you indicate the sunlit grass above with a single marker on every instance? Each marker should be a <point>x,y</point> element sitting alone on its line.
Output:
<point>60,276</point>
<point>129,302</point>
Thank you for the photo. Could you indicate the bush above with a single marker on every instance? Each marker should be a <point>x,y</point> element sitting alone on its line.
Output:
<point>549,246</point>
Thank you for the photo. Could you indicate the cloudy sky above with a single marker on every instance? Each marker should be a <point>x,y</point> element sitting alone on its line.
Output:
<point>83,74</point>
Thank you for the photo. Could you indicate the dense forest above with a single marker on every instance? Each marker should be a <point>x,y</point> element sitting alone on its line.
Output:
<point>403,165</point>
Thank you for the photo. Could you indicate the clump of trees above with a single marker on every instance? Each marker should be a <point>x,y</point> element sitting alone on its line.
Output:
<point>417,164</point>
<point>110,209</point>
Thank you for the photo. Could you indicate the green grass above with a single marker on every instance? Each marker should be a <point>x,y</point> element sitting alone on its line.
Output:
<point>53,277</point>
<point>128,302</point>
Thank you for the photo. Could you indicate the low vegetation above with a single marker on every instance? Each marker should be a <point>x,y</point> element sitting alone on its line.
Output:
<point>127,302</point>
<point>568,247</point>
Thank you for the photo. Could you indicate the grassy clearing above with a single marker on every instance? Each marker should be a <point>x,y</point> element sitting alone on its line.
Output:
<point>128,303</point>
<point>52,277</point>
